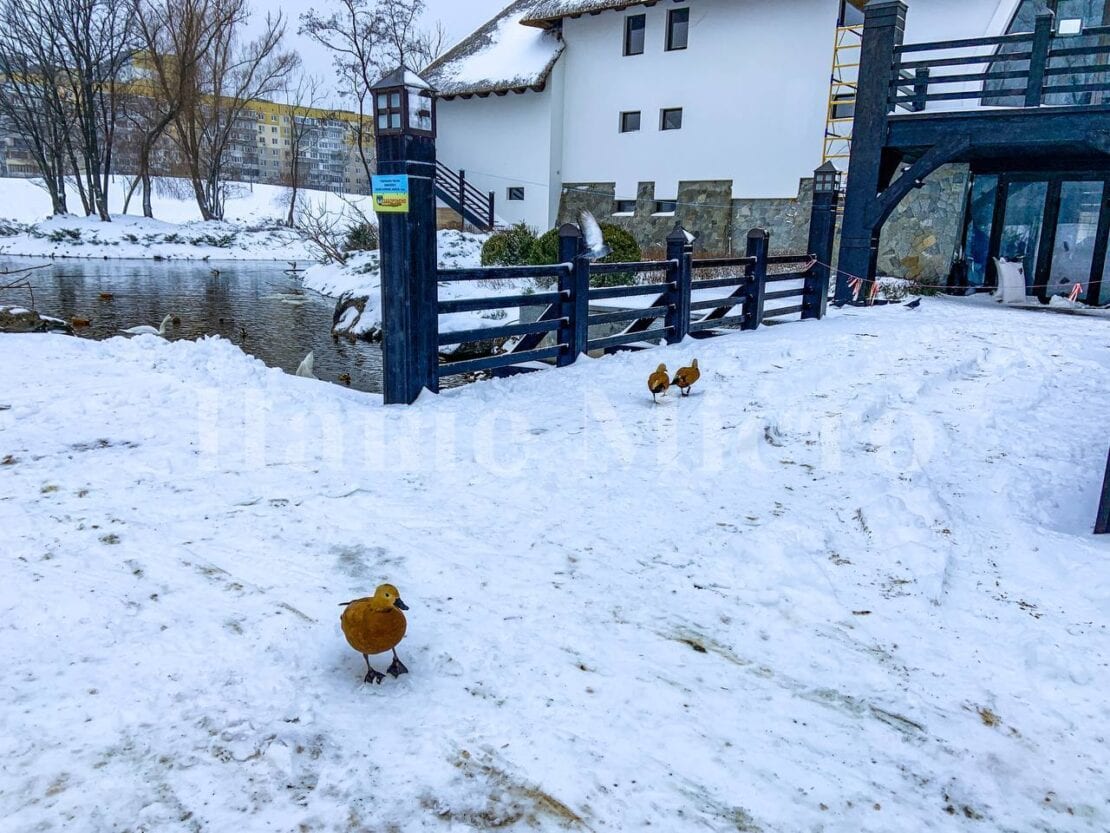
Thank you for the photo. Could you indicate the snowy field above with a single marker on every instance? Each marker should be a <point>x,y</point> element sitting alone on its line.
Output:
<point>848,585</point>
<point>252,229</point>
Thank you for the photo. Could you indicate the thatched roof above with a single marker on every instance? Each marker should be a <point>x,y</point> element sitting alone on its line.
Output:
<point>501,56</point>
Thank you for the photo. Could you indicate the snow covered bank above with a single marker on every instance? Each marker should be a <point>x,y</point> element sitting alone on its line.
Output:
<point>358,285</point>
<point>848,585</point>
<point>252,229</point>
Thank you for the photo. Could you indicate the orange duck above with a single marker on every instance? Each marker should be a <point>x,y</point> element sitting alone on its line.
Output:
<point>658,382</point>
<point>686,376</point>
<point>374,625</point>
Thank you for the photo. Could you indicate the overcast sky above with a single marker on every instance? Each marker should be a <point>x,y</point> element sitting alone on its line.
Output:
<point>461,17</point>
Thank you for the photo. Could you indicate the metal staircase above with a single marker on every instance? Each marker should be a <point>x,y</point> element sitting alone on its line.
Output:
<point>460,196</point>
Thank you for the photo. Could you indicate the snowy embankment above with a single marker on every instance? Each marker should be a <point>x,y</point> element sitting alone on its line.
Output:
<point>358,285</point>
<point>848,585</point>
<point>252,230</point>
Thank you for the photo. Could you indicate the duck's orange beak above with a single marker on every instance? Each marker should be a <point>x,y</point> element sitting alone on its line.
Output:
<point>400,604</point>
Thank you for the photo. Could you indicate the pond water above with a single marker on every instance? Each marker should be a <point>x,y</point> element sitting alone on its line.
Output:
<point>256,305</point>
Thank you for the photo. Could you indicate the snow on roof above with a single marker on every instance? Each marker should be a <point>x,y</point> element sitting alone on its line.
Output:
<point>502,55</point>
<point>546,12</point>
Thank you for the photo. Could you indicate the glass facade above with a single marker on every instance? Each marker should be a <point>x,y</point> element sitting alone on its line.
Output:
<point>984,190</point>
<point>1055,224</point>
<point>1073,250</point>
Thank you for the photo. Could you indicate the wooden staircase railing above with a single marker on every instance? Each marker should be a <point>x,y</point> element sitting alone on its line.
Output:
<point>462,197</point>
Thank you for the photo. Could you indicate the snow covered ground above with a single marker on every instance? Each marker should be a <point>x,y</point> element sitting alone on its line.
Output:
<point>848,585</point>
<point>252,228</point>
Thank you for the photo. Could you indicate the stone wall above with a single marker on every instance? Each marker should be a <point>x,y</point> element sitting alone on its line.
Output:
<point>704,207</point>
<point>918,241</point>
<point>922,234</point>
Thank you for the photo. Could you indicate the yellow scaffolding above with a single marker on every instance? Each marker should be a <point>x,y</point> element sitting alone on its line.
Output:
<point>843,85</point>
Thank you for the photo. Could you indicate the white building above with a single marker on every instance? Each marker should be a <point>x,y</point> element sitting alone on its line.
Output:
<point>613,95</point>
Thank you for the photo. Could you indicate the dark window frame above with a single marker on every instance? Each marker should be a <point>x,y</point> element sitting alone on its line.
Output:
<point>625,114</point>
<point>672,16</point>
<point>661,206</point>
<point>663,118</point>
<point>629,22</point>
<point>624,206</point>
<point>514,193</point>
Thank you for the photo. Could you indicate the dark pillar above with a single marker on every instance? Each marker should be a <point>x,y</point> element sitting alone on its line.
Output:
<point>822,232</point>
<point>410,316</point>
<point>680,248</point>
<point>883,28</point>
<point>574,306</point>
<point>759,245</point>
<point>1102,522</point>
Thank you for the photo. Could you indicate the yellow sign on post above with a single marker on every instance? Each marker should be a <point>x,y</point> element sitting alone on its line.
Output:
<point>391,194</point>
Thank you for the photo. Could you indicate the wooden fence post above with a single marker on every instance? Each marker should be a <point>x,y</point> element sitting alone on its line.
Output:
<point>1102,522</point>
<point>680,249</point>
<point>406,152</point>
<point>571,247</point>
<point>759,241</point>
<point>822,234</point>
<point>920,89</point>
<point>1042,39</point>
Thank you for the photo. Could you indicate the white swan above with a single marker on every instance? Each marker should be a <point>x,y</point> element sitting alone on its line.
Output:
<point>147,330</point>
<point>305,367</point>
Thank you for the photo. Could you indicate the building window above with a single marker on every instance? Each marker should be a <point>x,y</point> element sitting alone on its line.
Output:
<point>665,206</point>
<point>625,207</point>
<point>670,119</point>
<point>516,193</point>
<point>634,26</point>
<point>630,121</point>
<point>678,29</point>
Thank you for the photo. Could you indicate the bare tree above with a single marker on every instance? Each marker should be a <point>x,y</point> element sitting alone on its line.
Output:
<point>230,75</point>
<point>97,40</point>
<point>427,45</point>
<point>31,99</point>
<point>324,229</point>
<point>175,35</point>
<point>350,33</point>
<point>302,100</point>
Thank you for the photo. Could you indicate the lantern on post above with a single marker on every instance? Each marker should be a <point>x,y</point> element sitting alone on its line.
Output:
<point>404,199</point>
<point>404,104</point>
<point>822,232</point>
<point>826,179</point>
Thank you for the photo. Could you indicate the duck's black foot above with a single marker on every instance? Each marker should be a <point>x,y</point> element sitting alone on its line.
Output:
<point>397,668</point>
<point>373,676</point>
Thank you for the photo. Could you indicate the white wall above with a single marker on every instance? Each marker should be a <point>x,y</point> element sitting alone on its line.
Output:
<point>753,84</point>
<point>504,141</point>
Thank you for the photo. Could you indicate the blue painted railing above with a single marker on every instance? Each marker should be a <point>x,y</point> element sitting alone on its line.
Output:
<point>671,314</point>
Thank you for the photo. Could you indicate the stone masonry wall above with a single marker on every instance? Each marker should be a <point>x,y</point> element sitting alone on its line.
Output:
<point>918,241</point>
<point>922,234</point>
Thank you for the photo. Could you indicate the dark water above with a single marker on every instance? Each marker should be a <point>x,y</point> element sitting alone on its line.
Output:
<point>257,306</point>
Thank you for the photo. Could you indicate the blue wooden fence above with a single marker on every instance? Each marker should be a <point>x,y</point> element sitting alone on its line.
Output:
<point>670,315</point>
<point>413,340</point>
